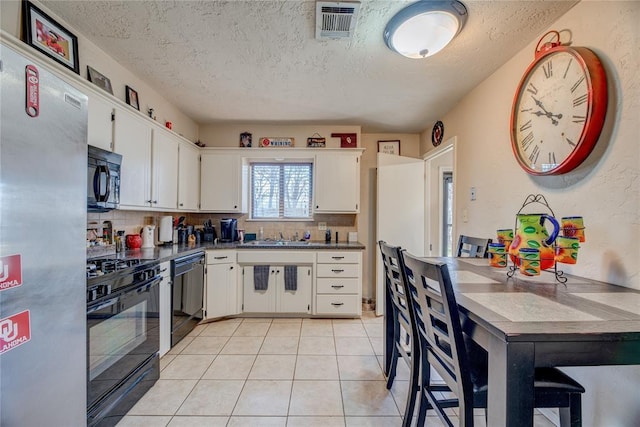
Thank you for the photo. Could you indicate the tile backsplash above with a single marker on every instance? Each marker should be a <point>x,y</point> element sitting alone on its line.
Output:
<point>132,221</point>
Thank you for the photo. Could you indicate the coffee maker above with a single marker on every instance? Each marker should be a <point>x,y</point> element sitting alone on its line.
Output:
<point>228,230</point>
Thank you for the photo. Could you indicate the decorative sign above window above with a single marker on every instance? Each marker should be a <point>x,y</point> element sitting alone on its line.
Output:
<point>277,142</point>
<point>347,140</point>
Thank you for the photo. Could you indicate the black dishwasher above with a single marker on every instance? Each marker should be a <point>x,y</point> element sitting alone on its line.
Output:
<point>186,294</point>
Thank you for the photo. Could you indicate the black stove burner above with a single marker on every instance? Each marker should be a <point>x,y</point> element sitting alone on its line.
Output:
<point>100,267</point>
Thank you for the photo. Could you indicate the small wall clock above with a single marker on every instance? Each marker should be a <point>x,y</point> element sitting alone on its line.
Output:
<point>559,108</point>
<point>437,133</point>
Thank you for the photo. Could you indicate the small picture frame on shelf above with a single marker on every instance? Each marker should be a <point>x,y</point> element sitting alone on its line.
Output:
<point>43,33</point>
<point>99,79</point>
<point>245,139</point>
<point>132,98</point>
<point>389,146</point>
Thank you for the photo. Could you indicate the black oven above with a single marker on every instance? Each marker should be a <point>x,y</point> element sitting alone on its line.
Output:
<point>122,341</point>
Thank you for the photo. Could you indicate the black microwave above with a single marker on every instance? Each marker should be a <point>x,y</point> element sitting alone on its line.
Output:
<point>103,180</point>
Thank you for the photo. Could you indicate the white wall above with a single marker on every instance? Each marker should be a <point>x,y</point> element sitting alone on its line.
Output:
<point>605,190</point>
<point>90,54</point>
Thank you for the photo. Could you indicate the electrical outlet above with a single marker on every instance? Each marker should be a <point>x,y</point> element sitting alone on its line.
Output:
<point>465,215</point>
<point>322,226</point>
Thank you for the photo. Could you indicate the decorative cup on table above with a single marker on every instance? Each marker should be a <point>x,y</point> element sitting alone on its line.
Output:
<point>573,226</point>
<point>529,261</point>
<point>567,249</point>
<point>497,255</point>
<point>505,236</point>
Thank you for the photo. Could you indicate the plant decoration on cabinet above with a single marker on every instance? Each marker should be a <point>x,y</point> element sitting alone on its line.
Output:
<point>559,108</point>
<point>49,37</point>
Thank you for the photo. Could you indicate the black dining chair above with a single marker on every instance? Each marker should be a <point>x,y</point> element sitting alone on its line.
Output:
<point>473,247</point>
<point>462,363</point>
<point>400,336</point>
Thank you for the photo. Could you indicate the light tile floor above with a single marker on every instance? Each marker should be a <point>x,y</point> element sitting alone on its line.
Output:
<point>278,372</point>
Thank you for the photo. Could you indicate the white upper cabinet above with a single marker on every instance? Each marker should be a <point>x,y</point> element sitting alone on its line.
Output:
<point>132,139</point>
<point>188,176</point>
<point>164,168</point>
<point>221,182</point>
<point>100,122</point>
<point>337,182</point>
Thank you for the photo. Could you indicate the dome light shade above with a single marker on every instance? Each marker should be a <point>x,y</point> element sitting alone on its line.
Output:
<point>424,28</point>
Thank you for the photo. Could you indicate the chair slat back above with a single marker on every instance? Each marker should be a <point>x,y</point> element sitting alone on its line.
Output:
<point>473,247</point>
<point>395,283</point>
<point>439,328</point>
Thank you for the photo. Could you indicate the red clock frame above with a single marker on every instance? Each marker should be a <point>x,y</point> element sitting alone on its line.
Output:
<point>597,94</point>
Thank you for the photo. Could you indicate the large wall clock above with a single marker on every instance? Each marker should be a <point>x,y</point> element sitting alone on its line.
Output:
<point>559,109</point>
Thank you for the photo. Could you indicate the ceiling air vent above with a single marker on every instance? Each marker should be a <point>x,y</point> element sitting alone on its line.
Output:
<point>336,20</point>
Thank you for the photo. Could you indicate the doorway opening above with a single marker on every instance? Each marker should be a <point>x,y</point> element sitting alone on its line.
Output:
<point>447,213</point>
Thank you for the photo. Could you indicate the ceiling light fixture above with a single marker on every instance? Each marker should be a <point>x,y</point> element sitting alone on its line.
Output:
<point>424,28</point>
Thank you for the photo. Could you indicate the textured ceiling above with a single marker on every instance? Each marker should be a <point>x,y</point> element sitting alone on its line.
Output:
<point>259,61</point>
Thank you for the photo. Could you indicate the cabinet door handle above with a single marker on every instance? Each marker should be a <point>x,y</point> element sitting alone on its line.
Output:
<point>337,304</point>
<point>337,286</point>
<point>231,268</point>
<point>219,257</point>
<point>337,257</point>
<point>337,271</point>
<point>181,204</point>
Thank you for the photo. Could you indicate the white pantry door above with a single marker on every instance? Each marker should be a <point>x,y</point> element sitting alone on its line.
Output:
<point>400,210</point>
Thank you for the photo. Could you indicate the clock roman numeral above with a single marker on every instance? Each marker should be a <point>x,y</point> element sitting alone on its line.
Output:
<point>524,110</point>
<point>571,143</point>
<point>576,84</point>
<point>580,100</point>
<point>532,89</point>
<point>533,157</point>
<point>526,142</point>
<point>567,70</point>
<point>579,119</point>
<point>552,158</point>
<point>548,69</point>
<point>525,126</point>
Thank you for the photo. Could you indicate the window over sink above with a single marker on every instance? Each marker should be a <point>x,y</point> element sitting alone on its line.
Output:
<point>281,190</point>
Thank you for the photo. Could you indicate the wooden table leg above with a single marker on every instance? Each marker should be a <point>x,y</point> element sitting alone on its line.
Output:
<point>511,381</point>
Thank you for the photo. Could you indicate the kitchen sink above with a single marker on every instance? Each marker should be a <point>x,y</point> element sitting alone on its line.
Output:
<point>275,243</point>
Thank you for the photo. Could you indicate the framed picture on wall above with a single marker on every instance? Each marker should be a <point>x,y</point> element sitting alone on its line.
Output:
<point>132,98</point>
<point>99,79</point>
<point>389,146</point>
<point>44,34</point>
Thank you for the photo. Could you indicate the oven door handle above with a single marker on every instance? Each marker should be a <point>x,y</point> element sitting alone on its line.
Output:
<point>104,304</point>
<point>148,285</point>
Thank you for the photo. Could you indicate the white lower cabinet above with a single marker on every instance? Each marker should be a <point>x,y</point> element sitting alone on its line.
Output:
<point>339,283</point>
<point>165,308</point>
<point>221,292</point>
<point>276,298</point>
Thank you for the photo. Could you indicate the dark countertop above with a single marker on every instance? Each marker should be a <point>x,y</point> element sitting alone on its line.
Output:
<point>167,253</point>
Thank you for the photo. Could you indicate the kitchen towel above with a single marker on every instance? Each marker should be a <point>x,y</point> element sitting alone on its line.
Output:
<point>260,277</point>
<point>290,277</point>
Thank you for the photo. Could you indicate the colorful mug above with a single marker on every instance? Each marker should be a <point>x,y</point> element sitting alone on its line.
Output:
<point>529,261</point>
<point>567,249</point>
<point>497,255</point>
<point>573,226</point>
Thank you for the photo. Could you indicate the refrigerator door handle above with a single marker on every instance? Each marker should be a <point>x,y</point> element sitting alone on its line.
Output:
<point>101,170</point>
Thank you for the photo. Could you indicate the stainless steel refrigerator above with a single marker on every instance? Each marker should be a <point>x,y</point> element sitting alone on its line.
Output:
<point>43,160</point>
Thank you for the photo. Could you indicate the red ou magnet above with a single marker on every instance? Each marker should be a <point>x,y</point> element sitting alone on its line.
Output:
<point>33,91</point>
<point>14,331</point>
<point>10,271</point>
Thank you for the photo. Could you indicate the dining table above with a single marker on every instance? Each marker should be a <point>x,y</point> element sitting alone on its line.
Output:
<point>526,322</point>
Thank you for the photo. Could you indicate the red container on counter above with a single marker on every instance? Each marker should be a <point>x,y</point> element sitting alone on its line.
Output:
<point>134,241</point>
